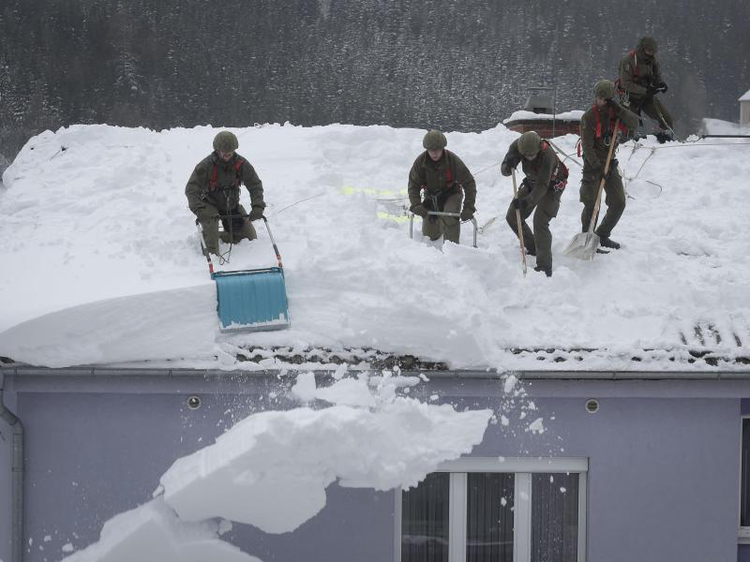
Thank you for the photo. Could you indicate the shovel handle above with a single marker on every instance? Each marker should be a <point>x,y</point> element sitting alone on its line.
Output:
<point>518,223</point>
<point>597,205</point>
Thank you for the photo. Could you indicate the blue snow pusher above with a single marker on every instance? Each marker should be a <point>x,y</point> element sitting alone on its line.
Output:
<point>251,300</point>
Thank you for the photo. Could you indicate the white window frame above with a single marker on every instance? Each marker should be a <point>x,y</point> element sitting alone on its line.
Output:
<point>522,469</point>
<point>743,534</point>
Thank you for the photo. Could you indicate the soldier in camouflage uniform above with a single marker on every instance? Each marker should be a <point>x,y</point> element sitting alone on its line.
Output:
<point>540,193</point>
<point>640,81</point>
<point>597,131</point>
<point>213,194</point>
<point>445,180</point>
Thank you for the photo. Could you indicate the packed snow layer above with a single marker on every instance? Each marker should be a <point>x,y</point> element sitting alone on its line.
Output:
<point>524,115</point>
<point>719,127</point>
<point>96,214</point>
<point>272,469</point>
<point>154,532</point>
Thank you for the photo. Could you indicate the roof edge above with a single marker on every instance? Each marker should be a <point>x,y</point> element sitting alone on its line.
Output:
<point>101,372</point>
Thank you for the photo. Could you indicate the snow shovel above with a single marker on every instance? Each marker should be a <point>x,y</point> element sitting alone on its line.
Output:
<point>251,300</point>
<point>443,214</point>
<point>584,245</point>
<point>518,223</point>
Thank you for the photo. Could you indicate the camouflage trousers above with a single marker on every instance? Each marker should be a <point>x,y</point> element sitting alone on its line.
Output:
<point>615,200</point>
<point>539,241</point>
<point>449,227</point>
<point>653,108</point>
<point>236,228</point>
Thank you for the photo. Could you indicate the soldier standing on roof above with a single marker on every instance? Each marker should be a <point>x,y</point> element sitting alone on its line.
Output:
<point>597,131</point>
<point>213,194</point>
<point>640,81</point>
<point>541,189</point>
<point>445,180</point>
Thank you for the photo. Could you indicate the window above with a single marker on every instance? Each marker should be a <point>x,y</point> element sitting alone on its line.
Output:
<point>485,510</point>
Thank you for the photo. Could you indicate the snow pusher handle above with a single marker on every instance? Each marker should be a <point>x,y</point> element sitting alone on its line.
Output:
<point>273,242</point>
<point>203,248</point>
<point>208,256</point>
<point>442,214</point>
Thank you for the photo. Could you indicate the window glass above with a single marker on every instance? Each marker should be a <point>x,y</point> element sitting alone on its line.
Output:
<point>554,517</point>
<point>745,499</point>
<point>489,517</point>
<point>424,520</point>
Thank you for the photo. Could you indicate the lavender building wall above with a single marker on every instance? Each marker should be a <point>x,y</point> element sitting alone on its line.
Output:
<point>663,480</point>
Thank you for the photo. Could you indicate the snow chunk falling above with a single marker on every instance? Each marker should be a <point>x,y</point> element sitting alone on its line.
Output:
<point>153,532</point>
<point>271,469</point>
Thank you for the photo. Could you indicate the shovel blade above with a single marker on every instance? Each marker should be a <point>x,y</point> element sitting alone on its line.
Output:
<point>583,246</point>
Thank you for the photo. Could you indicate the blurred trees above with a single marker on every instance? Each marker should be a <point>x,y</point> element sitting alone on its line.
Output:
<point>453,64</point>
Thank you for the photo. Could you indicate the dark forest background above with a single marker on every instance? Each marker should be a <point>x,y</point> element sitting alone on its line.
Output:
<point>456,65</point>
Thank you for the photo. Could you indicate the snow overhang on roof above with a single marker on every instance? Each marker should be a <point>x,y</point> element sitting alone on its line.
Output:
<point>745,97</point>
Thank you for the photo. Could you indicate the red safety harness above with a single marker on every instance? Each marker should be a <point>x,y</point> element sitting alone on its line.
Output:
<point>621,127</point>
<point>214,181</point>
<point>636,74</point>
<point>449,183</point>
<point>559,179</point>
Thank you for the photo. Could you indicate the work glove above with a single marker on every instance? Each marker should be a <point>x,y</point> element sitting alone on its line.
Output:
<point>467,214</point>
<point>506,169</point>
<point>520,204</point>
<point>256,213</point>
<point>650,91</point>
<point>420,210</point>
<point>661,87</point>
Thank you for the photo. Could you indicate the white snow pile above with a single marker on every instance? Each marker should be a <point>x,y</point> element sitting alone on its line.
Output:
<point>525,115</point>
<point>101,261</point>
<point>271,470</point>
<point>153,532</point>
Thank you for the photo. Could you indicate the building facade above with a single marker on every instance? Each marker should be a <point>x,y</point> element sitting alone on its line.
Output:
<point>626,466</point>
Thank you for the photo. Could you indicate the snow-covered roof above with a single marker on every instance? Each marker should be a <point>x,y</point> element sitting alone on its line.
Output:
<point>745,96</point>
<point>101,263</point>
<point>523,115</point>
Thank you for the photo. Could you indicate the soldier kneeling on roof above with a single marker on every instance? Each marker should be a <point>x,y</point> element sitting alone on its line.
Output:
<point>213,194</point>
<point>445,180</point>
<point>541,189</point>
<point>597,132</point>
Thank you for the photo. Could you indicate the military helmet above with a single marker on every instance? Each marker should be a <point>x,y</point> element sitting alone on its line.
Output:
<point>434,140</point>
<point>647,43</point>
<point>225,141</point>
<point>529,144</point>
<point>604,89</point>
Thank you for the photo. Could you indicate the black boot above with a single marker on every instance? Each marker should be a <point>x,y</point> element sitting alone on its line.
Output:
<point>547,271</point>
<point>609,243</point>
